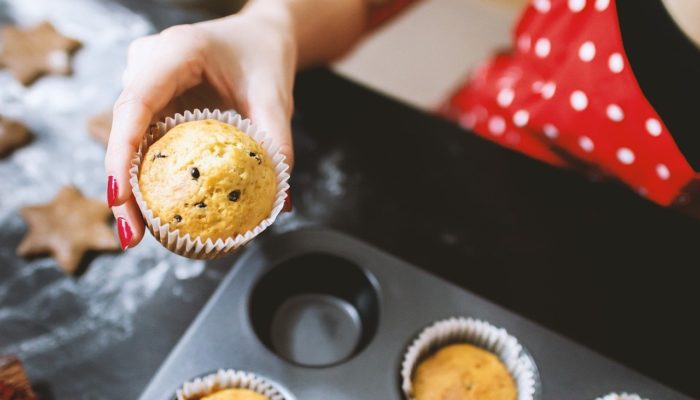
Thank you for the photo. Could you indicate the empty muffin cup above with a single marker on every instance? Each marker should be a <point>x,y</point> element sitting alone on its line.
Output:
<point>480,334</point>
<point>194,246</point>
<point>322,320</point>
<point>201,387</point>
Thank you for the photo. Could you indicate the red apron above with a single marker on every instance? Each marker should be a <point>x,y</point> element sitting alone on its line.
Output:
<point>566,95</point>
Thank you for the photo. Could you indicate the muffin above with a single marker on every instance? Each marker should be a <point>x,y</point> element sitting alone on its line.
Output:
<point>208,179</point>
<point>621,396</point>
<point>229,384</point>
<point>463,371</point>
<point>467,359</point>
<point>235,394</point>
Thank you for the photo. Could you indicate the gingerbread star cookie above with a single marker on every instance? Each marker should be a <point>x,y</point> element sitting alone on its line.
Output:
<point>12,136</point>
<point>99,126</point>
<point>67,227</point>
<point>30,53</point>
<point>14,384</point>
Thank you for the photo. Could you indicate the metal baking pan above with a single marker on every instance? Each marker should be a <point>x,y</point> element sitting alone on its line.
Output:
<point>326,316</point>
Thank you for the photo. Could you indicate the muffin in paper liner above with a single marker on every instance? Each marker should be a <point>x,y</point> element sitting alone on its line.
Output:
<point>194,247</point>
<point>228,379</point>
<point>621,396</point>
<point>481,334</point>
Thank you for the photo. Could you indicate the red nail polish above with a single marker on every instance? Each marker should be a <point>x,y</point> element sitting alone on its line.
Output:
<point>125,233</point>
<point>112,190</point>
<point>288,202</point>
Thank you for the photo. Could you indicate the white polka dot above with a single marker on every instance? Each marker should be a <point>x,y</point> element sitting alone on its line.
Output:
<point>505,97</point>
<point>542,47</point>
<point>602,5</point>
<point>537,86</point>
<point>506,81</point>
<point>520,118</point>
<point>550,131</point>
<point>587,51</point>
<point>497,125</point>
<point>467,121</point>
<point>615,113</point>
<point>548,90</point>
<point>586,144</point>
<point>578,100</point>
<point>625,156</point>
<point>616,63</point>
<point>653,126</point>
<point>542,6</point>
<point>663,172</point>
<point>577,5</point>
<point>480,113</point>
<point>524,43</point>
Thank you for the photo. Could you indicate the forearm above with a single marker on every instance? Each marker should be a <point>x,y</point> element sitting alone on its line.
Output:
<point>686,14</point>
<point>322,30</point>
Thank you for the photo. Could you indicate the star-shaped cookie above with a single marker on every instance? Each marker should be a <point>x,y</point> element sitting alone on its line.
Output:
<point>30,53</point>
<point>100,125</point>
<point>12,135</point>
<point>13,382</point>
<point>67,227</point>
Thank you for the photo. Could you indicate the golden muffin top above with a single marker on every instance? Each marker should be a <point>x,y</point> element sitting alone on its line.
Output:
<point>208,179</point>
<point>464,372</point>
<point>235,394</point>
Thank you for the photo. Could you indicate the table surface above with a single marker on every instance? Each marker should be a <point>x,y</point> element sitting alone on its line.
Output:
<point>588,259</point>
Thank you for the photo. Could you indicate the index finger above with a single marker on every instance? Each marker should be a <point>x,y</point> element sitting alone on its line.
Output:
<point>133,112</point>
<point>168,70</point>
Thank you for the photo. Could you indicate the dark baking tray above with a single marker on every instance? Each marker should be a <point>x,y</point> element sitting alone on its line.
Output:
<point>326,316</point>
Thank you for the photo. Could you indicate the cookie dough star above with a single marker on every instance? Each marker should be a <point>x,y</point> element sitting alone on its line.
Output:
<point>12,135</point>
<point>67,227</point>
<point>30,53</point>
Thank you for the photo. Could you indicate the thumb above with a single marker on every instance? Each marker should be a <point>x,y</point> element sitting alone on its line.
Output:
<point>273,114</point>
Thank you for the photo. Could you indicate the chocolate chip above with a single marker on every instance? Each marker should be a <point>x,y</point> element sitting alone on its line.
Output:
<point>200,205</point>
<point>194,172</point>
<point>234,195</point>
<point>177,218</point>
<point>256,157</point>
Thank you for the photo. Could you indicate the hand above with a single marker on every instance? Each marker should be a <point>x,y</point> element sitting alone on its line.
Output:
<point>244,62</point>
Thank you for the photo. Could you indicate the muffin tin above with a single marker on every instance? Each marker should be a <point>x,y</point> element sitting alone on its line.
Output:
<point>325,316</point>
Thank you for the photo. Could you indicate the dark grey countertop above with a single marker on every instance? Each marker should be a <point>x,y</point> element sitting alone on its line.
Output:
<point>590,260</point>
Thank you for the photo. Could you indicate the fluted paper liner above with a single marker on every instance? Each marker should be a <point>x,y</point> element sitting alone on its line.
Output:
<point>621,396</point>
<point>478,333</point>
<point>228,379</point>
<point>194,247</point>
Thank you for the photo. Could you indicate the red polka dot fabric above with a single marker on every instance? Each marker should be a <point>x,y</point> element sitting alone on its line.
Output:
<point>567,96</point>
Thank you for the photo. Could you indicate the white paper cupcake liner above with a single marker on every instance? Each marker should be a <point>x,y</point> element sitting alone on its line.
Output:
<point>479,333</point>
<point>228,379</point>
<point>194,247</point>
<point>621,396</point>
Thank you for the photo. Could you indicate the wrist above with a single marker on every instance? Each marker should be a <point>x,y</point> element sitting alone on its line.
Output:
<point>279,16</point>
<point>268,28</point>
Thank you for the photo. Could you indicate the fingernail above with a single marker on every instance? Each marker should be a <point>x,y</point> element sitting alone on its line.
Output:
<point>112,191</point>
<point>125,233</point>
<point>288,202</point>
